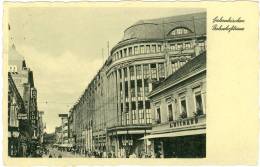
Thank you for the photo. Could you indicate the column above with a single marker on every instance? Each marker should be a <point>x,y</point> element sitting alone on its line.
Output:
<point>136,99</point>
<point>129,96</point>
<point>123,90</point>
<point>157,72</point>
<point>144,109</point>
<point>118,97</point>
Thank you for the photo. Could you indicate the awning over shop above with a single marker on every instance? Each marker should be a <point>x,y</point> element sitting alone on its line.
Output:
<point>175,134</point>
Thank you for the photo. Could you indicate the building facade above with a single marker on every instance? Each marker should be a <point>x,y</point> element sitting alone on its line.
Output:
<point>114,111</point>
<point>17,122</point>
<point>23,80</point>
<point>179,109</point>
<point>64,130</point>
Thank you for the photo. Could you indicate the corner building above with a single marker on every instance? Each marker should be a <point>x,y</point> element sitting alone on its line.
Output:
<point>150,51</point>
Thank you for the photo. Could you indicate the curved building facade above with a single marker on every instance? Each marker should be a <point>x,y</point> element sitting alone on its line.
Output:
<point>150,51</point>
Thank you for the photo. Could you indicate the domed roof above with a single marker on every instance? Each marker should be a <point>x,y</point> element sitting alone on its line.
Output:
<point>159,28</point>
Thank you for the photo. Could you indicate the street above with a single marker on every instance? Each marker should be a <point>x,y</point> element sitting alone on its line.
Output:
<point>55,153</point>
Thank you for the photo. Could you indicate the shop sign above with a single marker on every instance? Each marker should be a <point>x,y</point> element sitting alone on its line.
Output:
<point>22,116</point>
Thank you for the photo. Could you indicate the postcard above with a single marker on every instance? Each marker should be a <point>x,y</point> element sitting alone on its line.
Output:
<point>162,83</point>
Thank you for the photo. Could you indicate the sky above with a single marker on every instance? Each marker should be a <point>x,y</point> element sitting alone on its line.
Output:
<point>63,47</point>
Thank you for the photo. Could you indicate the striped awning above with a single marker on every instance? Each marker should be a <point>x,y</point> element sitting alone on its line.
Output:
<point>175,134</point>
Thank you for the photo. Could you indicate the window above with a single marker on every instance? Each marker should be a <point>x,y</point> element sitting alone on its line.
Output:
<point>146,87</point>
<point>125,52</point>
<point>161,71</point>
<point>126,107</point>
<point>153,49</point>
<point>125,72</point>
<point>130,51</point>
<point>132,73</point>
<point>126,89</point>
<point>136,50</point>
<point>138,71</point>
<point>117,55</point>
<point>121,54</point>
<point>147,104</point>
<point>153,71</point>
<point>120,74</point>
<point>142,49</point>
<point>132,87</point>
<point>179,46</point>
<point>180,31</point>
<point>147,48</point>
<point>148,116</point>
<point>183,109</point>
<point>187,45</point>
<point>170,112</point>
<point>172,46</point>
<point>133,105</point>
<point>140,105</point>
<point>199,105</point>
<point>146,71</point>
<point>127,118</point>
<point>158,115</point>
<point>159,48</point>
<point>139,88</point>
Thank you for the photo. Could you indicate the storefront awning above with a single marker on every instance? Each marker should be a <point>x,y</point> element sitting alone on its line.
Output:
<point>175,134</point>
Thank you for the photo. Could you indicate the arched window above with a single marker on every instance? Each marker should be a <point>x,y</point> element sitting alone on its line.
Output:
<point>180,31</point>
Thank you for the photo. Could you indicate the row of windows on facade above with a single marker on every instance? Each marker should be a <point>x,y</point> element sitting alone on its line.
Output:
<point>149,71</point>
<point>183,110</point>
<point>154,48</point>
<point>144,107</point>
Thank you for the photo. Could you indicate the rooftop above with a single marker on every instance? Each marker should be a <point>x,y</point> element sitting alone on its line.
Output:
<point>196,64</point>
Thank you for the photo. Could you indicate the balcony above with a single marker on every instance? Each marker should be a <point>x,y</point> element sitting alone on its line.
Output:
<point>181,124</point>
